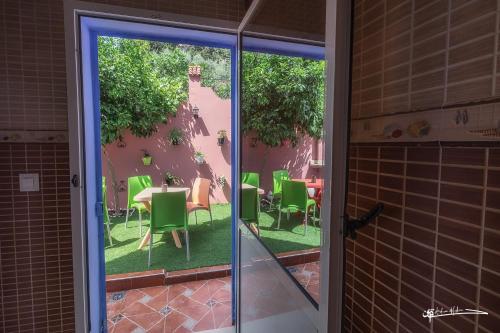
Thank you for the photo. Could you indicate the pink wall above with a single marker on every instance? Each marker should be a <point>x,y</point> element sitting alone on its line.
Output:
<point>201,134</point>
<point>265,160</point>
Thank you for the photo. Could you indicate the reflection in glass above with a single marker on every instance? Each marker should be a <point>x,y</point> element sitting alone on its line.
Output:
<point>271,298</point>
<point>282,109</point>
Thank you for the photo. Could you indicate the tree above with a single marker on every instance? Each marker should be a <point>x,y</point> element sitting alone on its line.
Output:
<point>139,86</point>
<point>282,97</point>
<point>215,67</point>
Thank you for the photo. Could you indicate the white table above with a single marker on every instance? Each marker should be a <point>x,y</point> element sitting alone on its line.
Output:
<point>246,186</point>
<point>145,196</point>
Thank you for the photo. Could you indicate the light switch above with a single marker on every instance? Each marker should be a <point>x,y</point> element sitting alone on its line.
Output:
<point>29,182</point>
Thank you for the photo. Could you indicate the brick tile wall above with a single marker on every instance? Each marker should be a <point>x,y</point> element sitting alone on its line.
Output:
<point>32,55</point>
<point>36,282</point>
<point>36,278</point>
<point>414,55</point>
<point>436,243</point>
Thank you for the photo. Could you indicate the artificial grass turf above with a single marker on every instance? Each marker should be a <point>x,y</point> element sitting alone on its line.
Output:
<point>210,245</point>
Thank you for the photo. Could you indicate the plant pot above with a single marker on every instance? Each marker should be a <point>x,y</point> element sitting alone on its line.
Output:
<point>146,160</point>
<point>220,141</point>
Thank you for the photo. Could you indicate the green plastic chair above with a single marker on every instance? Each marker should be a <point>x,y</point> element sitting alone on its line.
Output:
<point>105,208</point>
<point>249,206</point>
<point>250,178</point>
<point>294,198</point>
<point>136,185</point>
<point>168,213</point>
<point>278,177</point>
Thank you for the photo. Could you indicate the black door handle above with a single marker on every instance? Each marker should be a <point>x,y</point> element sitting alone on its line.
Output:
<point>351,225</point>
<point>75,181</point>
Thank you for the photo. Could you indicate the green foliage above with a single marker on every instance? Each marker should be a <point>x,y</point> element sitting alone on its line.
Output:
<point>175,136</point>
<point>282,97</point>
<point>143,82</point>
<point>171,179</point>
<point>215,68</point>
<point>140,86</point>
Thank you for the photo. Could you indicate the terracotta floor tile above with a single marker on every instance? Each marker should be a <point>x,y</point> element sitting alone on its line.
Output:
<point>146,320</point>
<point>202,295</point>
<point>114,308</point>
<point>194,285</point>
<point>154,291</point>
<point>174,291</point>
<point>228,322</point>
<point>189,307</point>
<point>159,327</point>
<point>222,295</point>
<point>179,308</point>
<point>205,323</point>
<point>215,285</point>
<point>137,309</point>
<point>182,329</point>
<point>124,326</point>
<point>132,296</point>
<point>159,301</point>
<point>220,313</point>
<point>173,320</point>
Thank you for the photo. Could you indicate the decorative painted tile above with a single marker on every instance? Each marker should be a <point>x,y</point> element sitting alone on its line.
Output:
<point>211,302</point>
<point>165,310</point>
<point>116,318</point>
<point>115,297</point>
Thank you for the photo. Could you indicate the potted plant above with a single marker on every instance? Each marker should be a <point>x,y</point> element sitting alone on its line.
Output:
<point>221,181</point>
<point>175,136</point>
<point>199,157</point>
<point>221,137</point>
<point>171,179</point>
<point>146,158</point>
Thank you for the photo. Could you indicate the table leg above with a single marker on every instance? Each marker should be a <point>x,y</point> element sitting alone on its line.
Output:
<point>177,240</point>
<point>146,237</point>
<point>145,240</point>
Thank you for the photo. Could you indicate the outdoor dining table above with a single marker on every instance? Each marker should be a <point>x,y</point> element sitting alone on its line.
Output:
<point>317,185</point>
<point>246,186</point>
<point>145,196</point>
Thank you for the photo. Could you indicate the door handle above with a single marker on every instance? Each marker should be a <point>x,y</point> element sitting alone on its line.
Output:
<point>351,225</point>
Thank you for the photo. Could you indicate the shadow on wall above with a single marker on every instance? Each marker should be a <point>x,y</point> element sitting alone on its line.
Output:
<point>199,134</point>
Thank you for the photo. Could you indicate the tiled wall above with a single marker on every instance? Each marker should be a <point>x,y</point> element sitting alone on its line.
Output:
<point>411,55</point>
<point>32,55</point>
<point>36,283</point>
<point>437,241</point>
<point>36,268</point>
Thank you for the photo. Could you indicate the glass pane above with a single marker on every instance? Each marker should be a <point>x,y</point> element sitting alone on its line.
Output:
<point>282,112</point>
<point>272,302</point>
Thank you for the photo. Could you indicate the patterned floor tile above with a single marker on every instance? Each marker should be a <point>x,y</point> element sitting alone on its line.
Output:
<point>179,308</point>
<point>187,307</point>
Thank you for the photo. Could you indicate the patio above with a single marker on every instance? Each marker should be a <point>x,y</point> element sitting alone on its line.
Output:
<point>210,245</point>
<point>186,307</point>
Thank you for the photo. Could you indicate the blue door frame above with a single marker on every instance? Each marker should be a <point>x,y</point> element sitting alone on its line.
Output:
<point>90,29</point>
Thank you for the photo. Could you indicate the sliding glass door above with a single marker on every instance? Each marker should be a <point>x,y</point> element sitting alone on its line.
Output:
<point>287,228</point>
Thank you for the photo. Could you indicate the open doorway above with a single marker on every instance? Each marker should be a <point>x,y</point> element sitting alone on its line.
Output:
<point>158,119</point>
<point>165,119</point>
